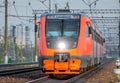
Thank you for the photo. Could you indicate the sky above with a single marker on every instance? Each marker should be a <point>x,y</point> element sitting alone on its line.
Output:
<point>24,8</point>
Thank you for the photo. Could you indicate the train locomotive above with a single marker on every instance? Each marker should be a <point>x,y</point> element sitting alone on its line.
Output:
<point>68,43</point>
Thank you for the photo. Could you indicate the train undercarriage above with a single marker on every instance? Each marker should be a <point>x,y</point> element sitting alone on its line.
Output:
<point>66,68</point>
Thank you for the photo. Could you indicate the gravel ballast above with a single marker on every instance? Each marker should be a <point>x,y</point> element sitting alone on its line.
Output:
<point>105,75</point>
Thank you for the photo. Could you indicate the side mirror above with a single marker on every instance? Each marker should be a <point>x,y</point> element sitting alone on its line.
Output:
<point>88,22</point>
<point>90,35</point>
<point>38,23</point>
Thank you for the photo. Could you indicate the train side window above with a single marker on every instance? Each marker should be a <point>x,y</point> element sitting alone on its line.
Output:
<point>90,30</point>
<point>87,30</point>
<point>38,30</point>
<point>95,35</point>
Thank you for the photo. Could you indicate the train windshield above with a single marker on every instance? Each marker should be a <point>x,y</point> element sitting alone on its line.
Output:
<point>62,27</point>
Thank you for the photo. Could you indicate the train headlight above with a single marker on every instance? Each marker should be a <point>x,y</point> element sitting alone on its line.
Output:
<point>61,45</point>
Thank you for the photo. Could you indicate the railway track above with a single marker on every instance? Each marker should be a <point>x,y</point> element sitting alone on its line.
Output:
<point>84,76</point>
<point>75,79</point>
<point>18,71</point>
<point>29,70</point>
<point>8,67</point>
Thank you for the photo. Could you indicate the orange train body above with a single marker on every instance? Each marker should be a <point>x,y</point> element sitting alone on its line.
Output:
<point>84,43</point>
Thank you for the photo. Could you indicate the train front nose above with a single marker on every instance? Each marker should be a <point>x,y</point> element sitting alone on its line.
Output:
<point>61,57</point>
<point>61,61</point>
<point>62,64</point>
<point>62,49</point>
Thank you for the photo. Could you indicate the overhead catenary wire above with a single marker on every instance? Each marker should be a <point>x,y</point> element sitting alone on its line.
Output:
<point>43,2</point>
<point>20,17</point>
<point>89,3</point>
<point>29,3</point>
<point>1,3</point>
<point>17,15</point>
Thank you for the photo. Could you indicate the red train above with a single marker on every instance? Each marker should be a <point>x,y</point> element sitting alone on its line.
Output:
<point>68,43</point>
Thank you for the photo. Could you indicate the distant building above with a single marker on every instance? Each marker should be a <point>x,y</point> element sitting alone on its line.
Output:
<point>1,39</point>
<point>19,43</point>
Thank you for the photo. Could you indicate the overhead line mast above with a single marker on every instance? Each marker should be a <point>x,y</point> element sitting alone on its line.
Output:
<point>119,32</point>
<point>6,32</point>
<point>35,18</point>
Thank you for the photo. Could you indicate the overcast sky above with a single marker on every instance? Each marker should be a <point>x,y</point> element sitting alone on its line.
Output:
<point>24,7</point>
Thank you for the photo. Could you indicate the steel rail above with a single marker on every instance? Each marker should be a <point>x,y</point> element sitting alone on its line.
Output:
<point>82,77</point>
<point>12,67</point>
<point>18,71</point>
<point>36,80</point>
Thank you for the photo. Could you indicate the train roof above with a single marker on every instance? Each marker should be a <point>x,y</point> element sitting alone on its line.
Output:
<point>64,12</point>
<point>45,14</point>
<point>68,12</point>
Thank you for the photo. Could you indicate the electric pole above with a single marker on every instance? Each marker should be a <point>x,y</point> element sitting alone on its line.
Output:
<point>119,33</point>
<point>35,17</point>
<point>56,7</point>
<point>6,32</point>
<point>49,5</point>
